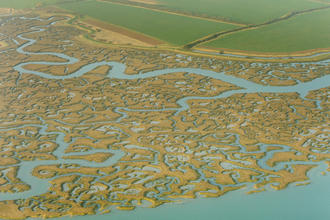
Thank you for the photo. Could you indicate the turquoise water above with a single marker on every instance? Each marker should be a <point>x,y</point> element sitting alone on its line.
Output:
<point>294,203</point>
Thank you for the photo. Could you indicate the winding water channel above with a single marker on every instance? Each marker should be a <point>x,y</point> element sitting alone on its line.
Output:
<point>39,186</point>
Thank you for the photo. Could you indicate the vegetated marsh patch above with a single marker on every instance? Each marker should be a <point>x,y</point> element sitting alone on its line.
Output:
<point>303,32</point>
<point>174,29</point>
<point>253,11</point>
<point>221,145</point>
<point>97,157</point>
<point>3,44</point>
<point>4,11</point>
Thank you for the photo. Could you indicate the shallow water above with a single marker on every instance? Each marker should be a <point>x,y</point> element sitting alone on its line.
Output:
<point>294,203</point>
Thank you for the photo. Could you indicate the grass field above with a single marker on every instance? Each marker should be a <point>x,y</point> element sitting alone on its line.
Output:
<point>175,29</point>
<point>21,4</point>
<point>252,11</point>
<point>303,32</point>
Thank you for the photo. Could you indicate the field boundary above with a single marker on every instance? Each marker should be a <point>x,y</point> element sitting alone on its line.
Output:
<point>320,1</point>
<point>129,33</point>
<point>87,39</point>
<point>174,13</point>
<point>53,9</point>
<point>266,23</point>
<point>263,54</point>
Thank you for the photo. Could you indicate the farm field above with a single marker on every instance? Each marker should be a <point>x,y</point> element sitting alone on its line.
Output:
<point>22,4</point>
<point>174,29</point>
<point>303,32</point>
<point>253,11</point>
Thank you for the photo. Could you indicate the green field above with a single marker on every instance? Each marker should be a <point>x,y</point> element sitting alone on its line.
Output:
<point>175,29</point>
<point>250,11</point>
<point>302,32</point>
<point>21,4</point>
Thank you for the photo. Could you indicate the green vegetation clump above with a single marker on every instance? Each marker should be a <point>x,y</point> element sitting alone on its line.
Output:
<point>302,32</point>
<point>175,29</point>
